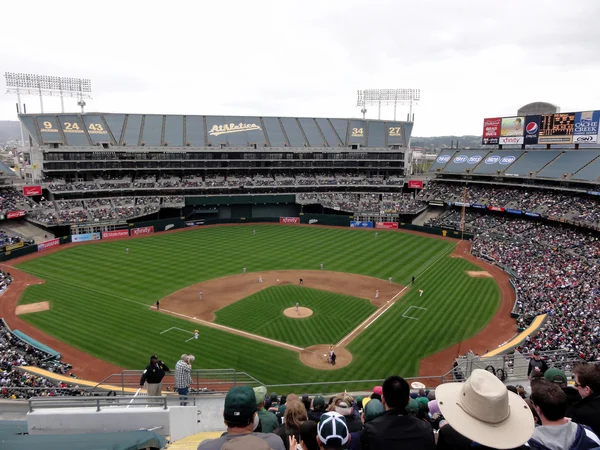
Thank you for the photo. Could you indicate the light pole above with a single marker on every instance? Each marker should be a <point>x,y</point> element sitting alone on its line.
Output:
<point>387,96</point>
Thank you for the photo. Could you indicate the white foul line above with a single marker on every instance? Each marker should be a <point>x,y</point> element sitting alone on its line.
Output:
<point>377,314</point>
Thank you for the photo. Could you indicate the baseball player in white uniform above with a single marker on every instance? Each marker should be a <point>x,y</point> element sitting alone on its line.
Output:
<point>390,280</point>
<point>297,306</point>
<point>259,279</point>
<point>201,295</point>
<point>321,266</point>
<point>377,293</point>
<point>244,270</point>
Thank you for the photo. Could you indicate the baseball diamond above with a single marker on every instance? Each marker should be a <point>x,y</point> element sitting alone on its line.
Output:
<point>102,300</point>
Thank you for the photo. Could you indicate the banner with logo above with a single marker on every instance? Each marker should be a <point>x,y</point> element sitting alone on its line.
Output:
<point>496,208</point>
<point>415,184</point>
<point>289,220</point>
<point>29,191</point>
<point>514,211</point>
<point>142,230</point>
<point>194,223</point>
<point>389,225</point>
<point>48,244</point>
<point>15,214</point>
<point>85,237</point>
<point>114,234</point>
<point>435,203</point>
<point>531,214</point>
<point>475,205</point>
<point>443,159</point>
<point>491,131</point>
<point>14,246</point>
<point>593,192</point>
<point>532,129</point>
<point>359,224</point>
<point>586,127</point>
<point>511,131</point>
<point>557,128</point>
<point>462,204</point>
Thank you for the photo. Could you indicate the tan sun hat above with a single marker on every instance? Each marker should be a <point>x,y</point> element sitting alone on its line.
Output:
<point>417,385</point>
<point>483,410</point>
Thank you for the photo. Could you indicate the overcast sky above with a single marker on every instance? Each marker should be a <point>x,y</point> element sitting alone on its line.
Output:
<point>470,58</point>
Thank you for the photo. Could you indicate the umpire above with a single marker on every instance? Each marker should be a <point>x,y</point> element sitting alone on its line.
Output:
<point>153,375</point>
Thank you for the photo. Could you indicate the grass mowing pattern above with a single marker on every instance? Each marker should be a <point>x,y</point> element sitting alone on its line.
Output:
<point>334,315</point>
<point>98,297</point>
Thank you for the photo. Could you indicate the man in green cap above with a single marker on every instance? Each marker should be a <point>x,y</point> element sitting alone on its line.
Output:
<point>241,418</point>
<point>557,376</point>
<point>268,420</point>
<point>318,408</point>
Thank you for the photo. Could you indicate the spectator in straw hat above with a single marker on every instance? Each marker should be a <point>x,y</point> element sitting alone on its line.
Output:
<point>482,412</point>
<point>396,429</point>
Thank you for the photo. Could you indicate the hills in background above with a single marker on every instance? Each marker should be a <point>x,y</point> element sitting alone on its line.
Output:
<point>10,131</point>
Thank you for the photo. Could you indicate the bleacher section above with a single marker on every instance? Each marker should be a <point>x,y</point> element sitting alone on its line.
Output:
<point>465,160</point>
<point>568,163</point>
<point>591,172</point>
<point>497,161</point>
<point>531,162</point>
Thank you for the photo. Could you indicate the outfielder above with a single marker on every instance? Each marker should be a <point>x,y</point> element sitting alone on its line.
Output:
<point>195,334</point>
<point>127,251</point>
<point>244,270</point>
<point>321,266</point>
<point>253,232</point>
<point>420,292</point>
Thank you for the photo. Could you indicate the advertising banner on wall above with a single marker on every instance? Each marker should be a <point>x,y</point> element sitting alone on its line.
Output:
<point>415,184</point>
<point>29,191</point>
<point>511,131</point>
<point>389,225</point>
<point>532,129</point>
<point>289,220</point>
<point>557,128</point>
<point>496,208</point>
<point>114,234</point>
<point>586,127</point>
<point>85,237</point>
<point>15,214</point>
<point>514,211</point>
<point>10,247</point>
<point>491,131</point>
<point>194,223</point>
<point>142,230</point>
<point>358,224</point>
<point>48,244</point>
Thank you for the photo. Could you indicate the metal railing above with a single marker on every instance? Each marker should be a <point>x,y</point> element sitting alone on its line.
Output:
<point>96,402</point>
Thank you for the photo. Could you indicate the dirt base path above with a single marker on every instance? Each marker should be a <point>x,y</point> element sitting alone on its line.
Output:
<point>500,329</point>
<point>32,307</point>
<point>84,365</point>
<point>221,292</point>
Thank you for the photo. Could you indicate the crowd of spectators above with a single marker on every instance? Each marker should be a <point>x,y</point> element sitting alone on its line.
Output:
<point>13,200</point>
<point>8,239</point>
<point>581,208</point>
<point>18,384</point>
<point>367,203</point>
<point>556,272</point>
<point>480,412</point>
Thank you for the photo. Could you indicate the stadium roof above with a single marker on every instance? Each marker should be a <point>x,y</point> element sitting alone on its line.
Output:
<point>212,131</point>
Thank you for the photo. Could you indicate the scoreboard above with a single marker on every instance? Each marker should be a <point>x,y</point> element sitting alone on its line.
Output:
<point>557,128</point>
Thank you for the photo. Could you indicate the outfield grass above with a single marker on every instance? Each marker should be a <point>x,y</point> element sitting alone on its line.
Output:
<point>99,297</point>
<point>334,315</point>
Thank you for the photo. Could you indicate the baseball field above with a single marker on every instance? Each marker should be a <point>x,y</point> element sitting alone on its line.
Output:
<point>103,300</point>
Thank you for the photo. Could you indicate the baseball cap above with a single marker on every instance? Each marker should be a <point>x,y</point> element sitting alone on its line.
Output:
<point>359,400</point>
<point>240,405</point>
<point>260,393</point>
<point>153,357</point>
<point>332,430</point>
<point>343,409</point>
<point>536,352</point>
<point>247,442</point>
<point>555,375</point>
<point>318,401</point>
<point>378,390</point>
<point>373,410</point>
<point>273,397</point>
<point>413,406</point>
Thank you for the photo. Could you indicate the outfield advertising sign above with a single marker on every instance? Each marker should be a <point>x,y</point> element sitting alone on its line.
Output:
<point>194,223</point>
<point>15,214</point>
<point>389,225</point>
<point>48,244</point>
<point>85,237</point>
<point>359,224</point>
<point>288,220</point>
<point>29,191</point>
<point>532,129</point>
<point>115,234</point>
<point>142,230</point>
<point>514,211</point>
<point>586,127</point>
<point>415,184</point>
<point>511,131</point>
<point>491,131</point>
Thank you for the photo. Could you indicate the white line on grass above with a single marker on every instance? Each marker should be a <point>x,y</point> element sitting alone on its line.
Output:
<point>176,328</point>
<point>410,317</point>
<point>377,314</point>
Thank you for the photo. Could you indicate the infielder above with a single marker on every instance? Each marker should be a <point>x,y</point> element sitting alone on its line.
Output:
<point>321,266</point>
<point>390,280</point>
<point>377,293</point>
<point>195,334</point>
<point>201,294</point>
<point>244,270</point>
<point>259,279</point>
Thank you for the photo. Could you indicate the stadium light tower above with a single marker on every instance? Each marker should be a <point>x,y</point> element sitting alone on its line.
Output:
<point>387,97</point>
<point>44,85</point>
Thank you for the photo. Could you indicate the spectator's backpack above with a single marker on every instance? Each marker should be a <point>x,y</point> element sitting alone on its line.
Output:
<point>585,439</point>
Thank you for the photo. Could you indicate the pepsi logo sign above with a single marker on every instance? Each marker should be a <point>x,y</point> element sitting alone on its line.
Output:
<point>492,160</point>
<point>531,128</point>
<point>460,159</point>
<point>443,159</point>
<point>507,160</point>
<point>474,159</point>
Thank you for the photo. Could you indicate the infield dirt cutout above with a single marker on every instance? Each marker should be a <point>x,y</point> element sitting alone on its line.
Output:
<point>220,292</point>
<point>479,274</point>
<point>32,308</point>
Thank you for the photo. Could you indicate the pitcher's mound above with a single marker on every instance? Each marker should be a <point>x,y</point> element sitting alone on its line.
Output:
<point>300,314</point>
<point>479,274</point>
<point>317,355</point>
<point>32,307</point>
